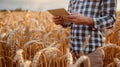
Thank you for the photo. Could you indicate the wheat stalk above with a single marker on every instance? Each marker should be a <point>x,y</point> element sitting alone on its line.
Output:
<point>80,60</point>
<point>117,62</point>
<point>19,57</point>
<point>27,63</point>
<point>30,42</point>
<point>38,54</point>
<point>69,59</point>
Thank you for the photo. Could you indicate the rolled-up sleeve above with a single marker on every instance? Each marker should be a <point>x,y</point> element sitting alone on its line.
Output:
<point>108,15</point>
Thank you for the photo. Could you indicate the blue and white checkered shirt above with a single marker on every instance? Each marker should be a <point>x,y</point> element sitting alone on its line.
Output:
<point>102,11</point>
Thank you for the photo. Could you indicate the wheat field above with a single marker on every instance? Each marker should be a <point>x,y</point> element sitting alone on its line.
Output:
<point>31,39</point>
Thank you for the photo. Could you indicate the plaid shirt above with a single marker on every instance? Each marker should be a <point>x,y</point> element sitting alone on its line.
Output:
<point>102,11</point>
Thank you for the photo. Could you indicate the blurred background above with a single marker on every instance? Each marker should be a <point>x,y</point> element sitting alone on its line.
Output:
<point>36,5</point>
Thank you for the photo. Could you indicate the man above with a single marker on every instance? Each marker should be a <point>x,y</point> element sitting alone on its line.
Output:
<point>88,17</point>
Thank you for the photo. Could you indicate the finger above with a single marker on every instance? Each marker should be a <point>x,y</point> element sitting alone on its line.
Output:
<point>70,19</point>
<point>56,17</point>
<point>58,20</point>
<point>59,23</point>
<point>69,16</point>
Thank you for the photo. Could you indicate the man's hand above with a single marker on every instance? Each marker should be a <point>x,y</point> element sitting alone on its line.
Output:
<point>59,20</point>
<point>79,19</point>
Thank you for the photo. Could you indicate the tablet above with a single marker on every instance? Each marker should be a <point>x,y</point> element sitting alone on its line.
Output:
<point>58,12</point>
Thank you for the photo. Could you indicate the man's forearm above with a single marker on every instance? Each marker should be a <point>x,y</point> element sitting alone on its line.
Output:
<point>79,19</point>
<point>89,21</point>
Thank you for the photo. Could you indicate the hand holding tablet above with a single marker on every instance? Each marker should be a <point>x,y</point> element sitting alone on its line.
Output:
<point>58,12</point>
<point>58,16</point>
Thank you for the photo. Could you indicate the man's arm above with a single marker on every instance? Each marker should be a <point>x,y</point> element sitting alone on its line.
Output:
<point>79,19</point>
<point>108,16</point>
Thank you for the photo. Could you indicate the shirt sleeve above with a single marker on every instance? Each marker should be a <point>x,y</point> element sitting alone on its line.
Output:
<point>108,15</point>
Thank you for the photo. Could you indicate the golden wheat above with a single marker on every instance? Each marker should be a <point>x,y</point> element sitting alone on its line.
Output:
<point>31,39</point>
